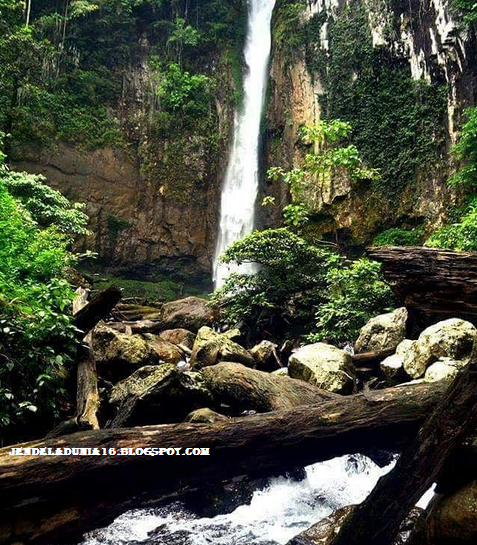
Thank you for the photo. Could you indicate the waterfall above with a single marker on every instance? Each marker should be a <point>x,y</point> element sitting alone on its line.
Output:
<point>239,191</point>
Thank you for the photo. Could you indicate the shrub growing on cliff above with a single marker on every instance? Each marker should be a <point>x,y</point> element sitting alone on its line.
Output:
<point>45,205</point>
<point>399,237</point>
<point>462,233</point>
<point>36,334</point>
<point>300,285</point>
<point>331,156</point>
<point>184,93</point>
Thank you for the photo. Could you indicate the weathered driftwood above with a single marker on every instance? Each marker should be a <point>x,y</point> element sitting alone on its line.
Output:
<point>431,282</point>
<point>378,518</point>
<point>43,498</point>
<point>97,309</point>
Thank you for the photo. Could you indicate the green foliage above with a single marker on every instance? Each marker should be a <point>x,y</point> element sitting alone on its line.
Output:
<point>291,276</point>
<point>185,93</point>
<point>468,8</point>
<point>462,233</point>
<point>46,206</point>
<point>399,237</point>
<point>182,36</point>
<point>297,281</point>
<point>357,293</point>
<point>116,225</point>
<point>68,75</point>
<point>45,117</point>
<point>329,158</point>
<point>466,151</point>
<point>162,290</point>
<point>37,337</point>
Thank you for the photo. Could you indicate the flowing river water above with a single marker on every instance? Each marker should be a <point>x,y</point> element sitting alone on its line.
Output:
<point>239,190</point>
<point>278,511</point>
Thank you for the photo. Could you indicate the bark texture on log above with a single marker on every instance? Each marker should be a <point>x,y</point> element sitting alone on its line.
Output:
<point>431,281</point>
<point>43,498</point>
<point>378,518</point>
<point>371,358</point>
<point>97,309</point>
<point>87,395</point>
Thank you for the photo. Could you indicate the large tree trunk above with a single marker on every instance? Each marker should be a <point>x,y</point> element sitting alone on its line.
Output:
<point>433,284</point>
<point>377,520</point>
<point>43,498</point>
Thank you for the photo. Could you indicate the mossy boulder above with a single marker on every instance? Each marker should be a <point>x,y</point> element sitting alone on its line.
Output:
<point>242,389</point>
<point>266,356</point>
<point>119,354</point>
<point>205,416</point>
<point>443,369</point>
<point>324,366</point>
<point>155,395</point>
<point>211,347</point>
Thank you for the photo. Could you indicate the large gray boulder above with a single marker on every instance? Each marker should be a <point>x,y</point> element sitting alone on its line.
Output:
<point>156,395</point>
<point>453,338</point>
<point>451,518</point>
<point>324,366</point>
<point>383,332</point>
<point>119,354</point>
<point>211,347</point>
<point>243,389</point>
<point>190,313</point>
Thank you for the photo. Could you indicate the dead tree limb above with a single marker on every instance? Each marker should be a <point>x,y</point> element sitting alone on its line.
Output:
<point>377,520</point>
<point>44,499</point>
<point>87,395</point>
<point>97,309</point>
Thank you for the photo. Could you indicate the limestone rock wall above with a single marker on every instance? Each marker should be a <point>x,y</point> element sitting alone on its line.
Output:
<point>410,69</point>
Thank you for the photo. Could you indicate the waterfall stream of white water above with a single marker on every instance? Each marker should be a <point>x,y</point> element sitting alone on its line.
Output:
<point>239,190</point>
<point>278,511</point>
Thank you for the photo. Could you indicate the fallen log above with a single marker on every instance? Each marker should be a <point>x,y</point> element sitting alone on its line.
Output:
<point>97,309</point>
<point>377,520</point>
<point>433,284</point>
<point>370,358</point>
<point>46,499</point>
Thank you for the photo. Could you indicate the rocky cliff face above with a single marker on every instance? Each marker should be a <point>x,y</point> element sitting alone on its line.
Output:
<point>401,73</point>
<point>153,202</point>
